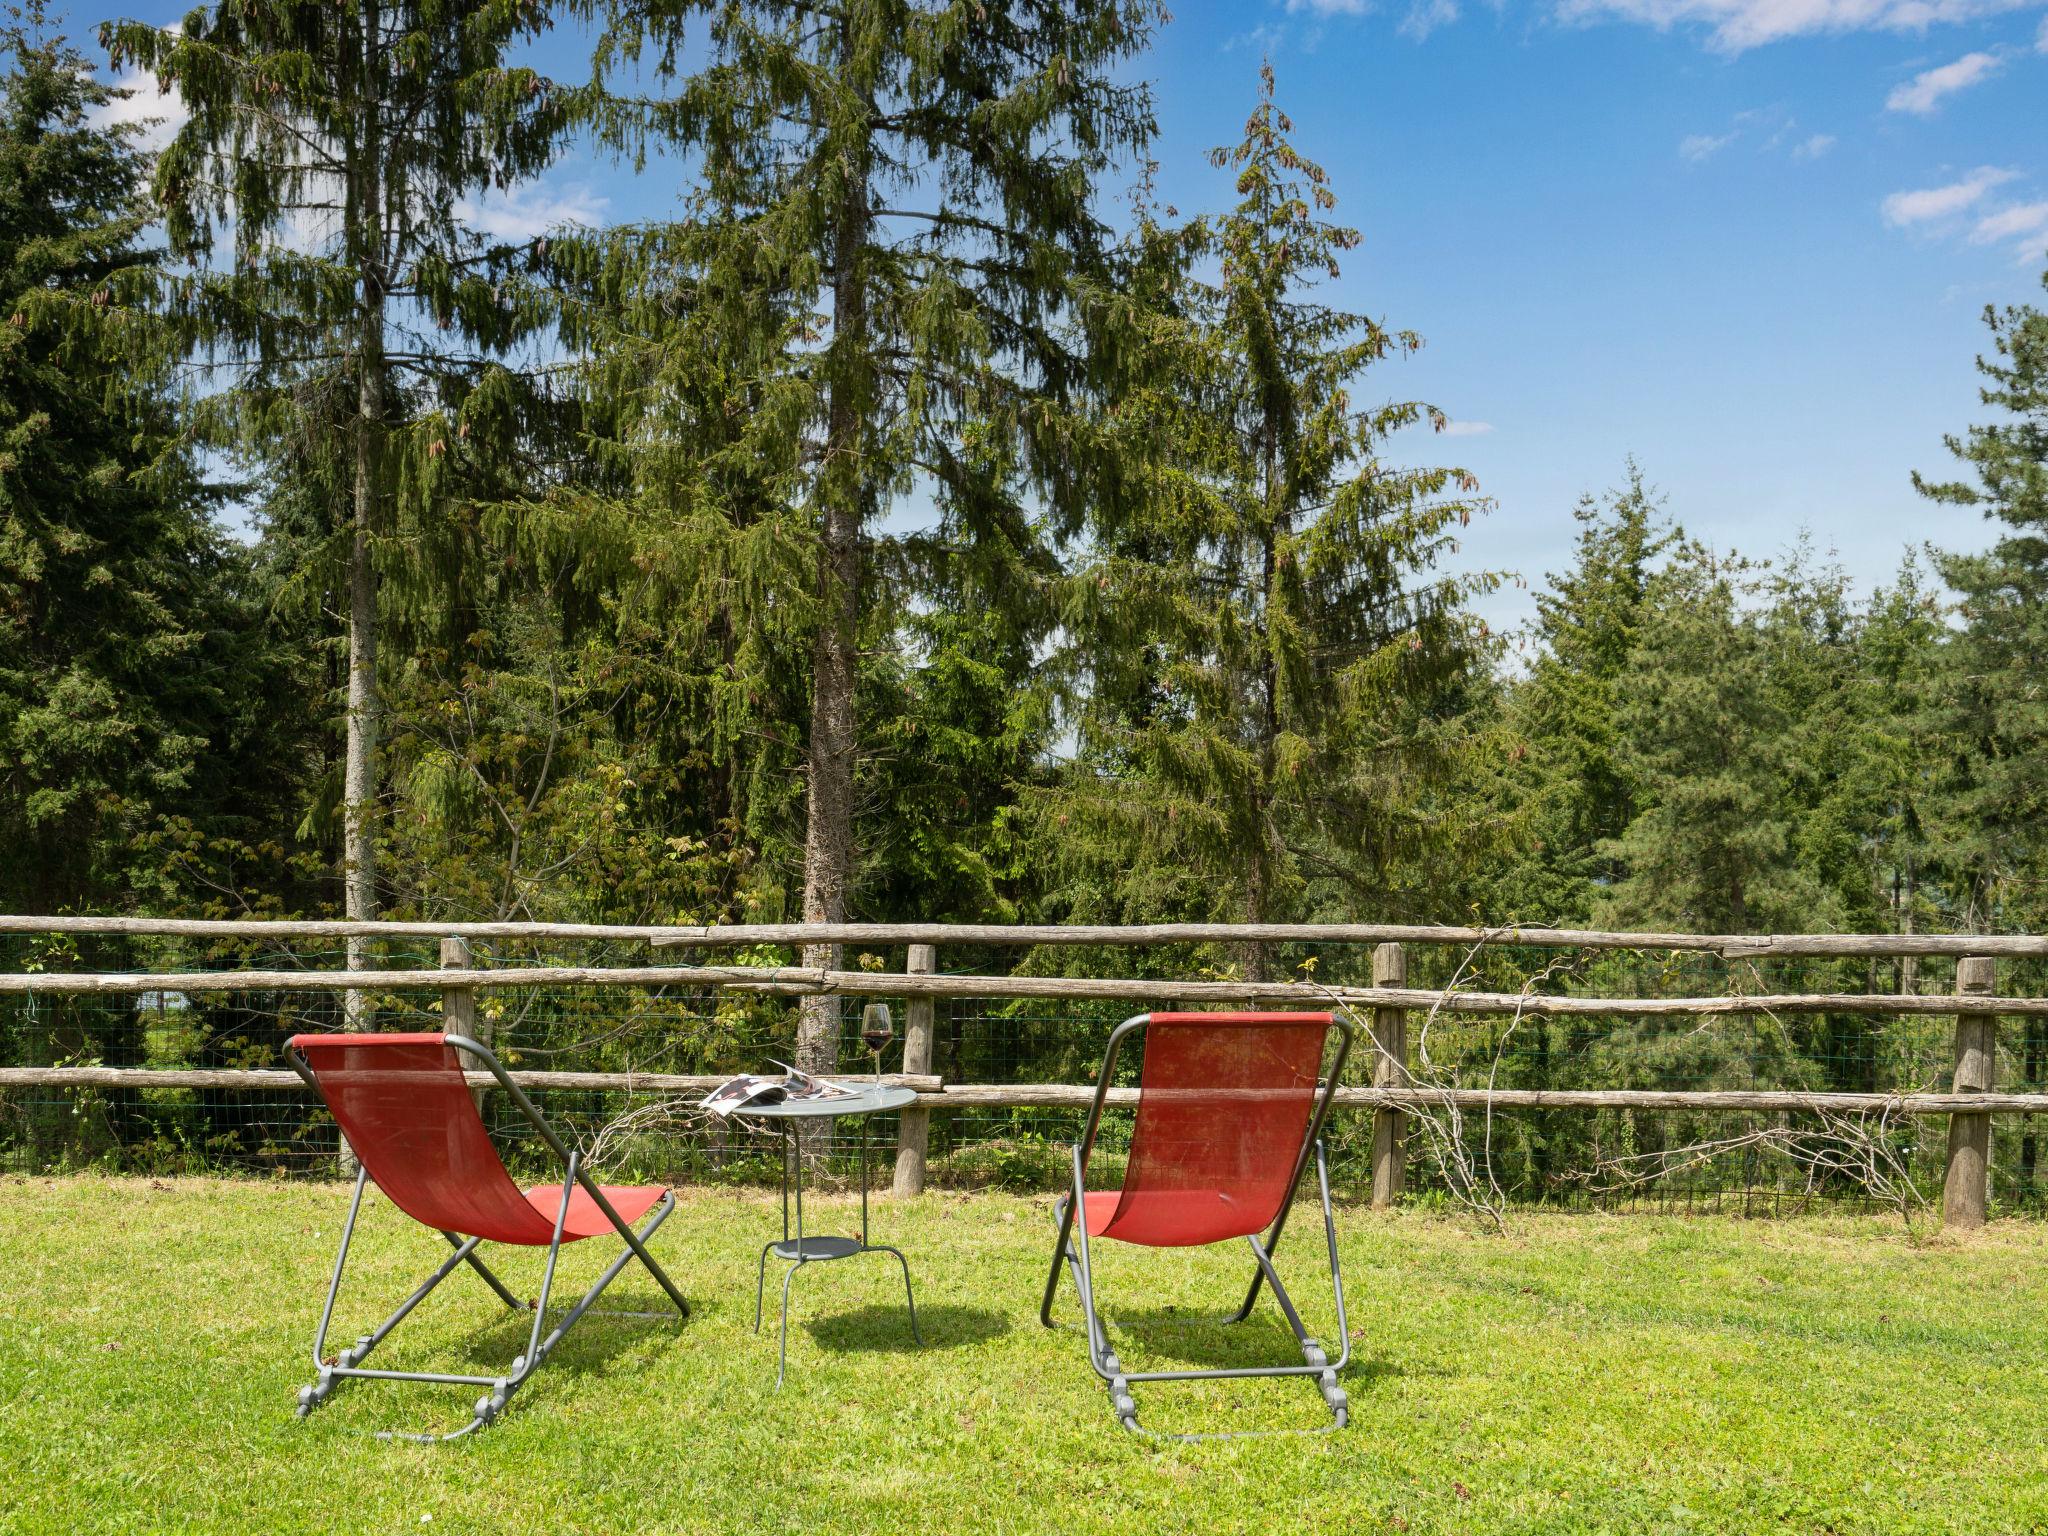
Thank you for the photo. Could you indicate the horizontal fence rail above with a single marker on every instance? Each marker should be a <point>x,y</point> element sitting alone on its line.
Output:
<point>291,1082</point>
<point>934,1092</point>
<point>1397,1015</point>
<point>1731,946</point>
<point>802,981</point>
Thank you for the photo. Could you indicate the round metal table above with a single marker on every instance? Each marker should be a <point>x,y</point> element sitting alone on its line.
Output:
<point>801,1248</point>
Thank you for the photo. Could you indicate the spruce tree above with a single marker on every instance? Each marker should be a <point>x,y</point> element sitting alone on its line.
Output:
<point>899,199</point>
<point>354,336</point>
<point>1265,654</point>
<point>1994,713</point>
<point>115,588</point>
<point>1709,745</point>
<point>1576,789</point>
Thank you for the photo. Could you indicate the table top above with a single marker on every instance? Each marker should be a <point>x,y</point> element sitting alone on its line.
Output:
<point>862,1101</point>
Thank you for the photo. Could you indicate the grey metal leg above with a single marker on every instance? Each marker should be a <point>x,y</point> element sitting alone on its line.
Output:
<point>909,1300</point>
<point>760,1280</point>
<point>504,1293</point>
<point>782,1341</point>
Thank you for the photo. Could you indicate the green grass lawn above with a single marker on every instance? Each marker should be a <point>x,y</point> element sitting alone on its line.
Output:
<point>1583,1374</point>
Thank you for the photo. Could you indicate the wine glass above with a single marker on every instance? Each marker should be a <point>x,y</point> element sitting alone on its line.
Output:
<point>876,1031</point>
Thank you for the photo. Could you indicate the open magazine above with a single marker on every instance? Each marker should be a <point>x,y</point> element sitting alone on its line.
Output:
<point>793,1086</point>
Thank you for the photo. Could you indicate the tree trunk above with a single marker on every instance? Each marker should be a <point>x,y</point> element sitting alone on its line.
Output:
<point>1259,880</point>
<point>828,826</point>
<point>359,773</point>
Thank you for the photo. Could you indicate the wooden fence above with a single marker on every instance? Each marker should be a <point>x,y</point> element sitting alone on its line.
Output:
<point>1384,1008</point>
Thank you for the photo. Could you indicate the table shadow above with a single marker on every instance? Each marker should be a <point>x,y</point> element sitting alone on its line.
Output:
<point>885,1329</point>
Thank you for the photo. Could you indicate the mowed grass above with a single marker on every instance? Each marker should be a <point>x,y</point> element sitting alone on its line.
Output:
<point>1582,1374</point>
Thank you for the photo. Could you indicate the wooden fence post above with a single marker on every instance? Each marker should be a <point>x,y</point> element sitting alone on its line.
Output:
<point>1966,1193</point>
<point>1389,1070</point>
<point>914,1126</point>
<point>458,1005</point>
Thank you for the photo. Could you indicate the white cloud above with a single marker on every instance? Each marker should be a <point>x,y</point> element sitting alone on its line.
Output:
<point>1929,203</point>
<point>1736,25</point>
<point>1261,39</point>
<point>1425,16</point>
<point>529,210</point>
<point>161,113</point>
<point>2025,224</point>
<point>2027,219</point>
<point>1924,91</point>
<point>1695,148</point>
<point>1466,428</point>
<point>1813,148</point>
<point>2041,37</point>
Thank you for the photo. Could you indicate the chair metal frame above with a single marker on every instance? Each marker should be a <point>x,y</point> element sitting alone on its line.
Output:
<point>1072,1216</point>
<point>347,1365</point>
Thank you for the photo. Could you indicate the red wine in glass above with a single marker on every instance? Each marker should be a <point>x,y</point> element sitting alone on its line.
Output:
<point>876,1031</point>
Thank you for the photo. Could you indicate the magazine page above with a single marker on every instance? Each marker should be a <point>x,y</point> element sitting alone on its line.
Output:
<point>800,1086</point>
<point>746,1089</point>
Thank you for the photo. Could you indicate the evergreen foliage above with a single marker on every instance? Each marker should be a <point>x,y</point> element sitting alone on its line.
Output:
<point>1265,658</point>
<point>895,207</point>
<point>356,332</point>
<point>1994,707</point>
<point>119,659</point>
<point>891,536</point>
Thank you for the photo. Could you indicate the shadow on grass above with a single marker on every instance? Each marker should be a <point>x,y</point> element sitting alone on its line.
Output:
<point>1183,1338</point>
<point>887,1328</point>
<point>591,1346</point>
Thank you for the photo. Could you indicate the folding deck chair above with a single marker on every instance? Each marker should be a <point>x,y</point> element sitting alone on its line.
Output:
<point>405,1105</point>
<point>1228,1116</point>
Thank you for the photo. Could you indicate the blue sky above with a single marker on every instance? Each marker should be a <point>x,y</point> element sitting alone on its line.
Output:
<point>1746,241</point>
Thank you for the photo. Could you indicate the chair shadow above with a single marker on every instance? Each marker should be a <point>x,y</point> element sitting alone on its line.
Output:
<point>885,1329</point>
<point>591,1346</point>
<point>1174,1337</point>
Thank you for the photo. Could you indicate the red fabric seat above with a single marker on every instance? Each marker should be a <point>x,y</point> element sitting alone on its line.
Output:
<point>631,1201</point>
<point>1169,1218</point>
<point>405,1106</point>
<point>1224,1107</point>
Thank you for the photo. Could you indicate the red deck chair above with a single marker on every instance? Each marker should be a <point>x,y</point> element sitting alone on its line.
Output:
<point>405,1105</point>
<point>1229,1113</point>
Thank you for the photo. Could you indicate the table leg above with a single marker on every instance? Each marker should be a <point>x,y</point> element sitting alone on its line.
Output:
<point>909,1299</point>
<point>796,1160</point>
<point>793,1175</point>
<point>782,1346</point>
<point>760,1283</point>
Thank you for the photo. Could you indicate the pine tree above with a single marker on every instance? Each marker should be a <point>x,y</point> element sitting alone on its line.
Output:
<point>1709,747</point>
<point>899,200</point>
<point>1995,710</point>
<point>1266,657</point>
<point>1565,712</point>
<point>1902,645</point>
<point>115,588</point>
<point>358,330</point>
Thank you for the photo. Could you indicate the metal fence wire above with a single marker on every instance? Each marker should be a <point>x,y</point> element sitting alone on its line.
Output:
<point>1689,1160</point>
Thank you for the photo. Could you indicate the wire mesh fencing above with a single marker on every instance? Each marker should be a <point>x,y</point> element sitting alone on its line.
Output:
<point>1690,1159</point>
